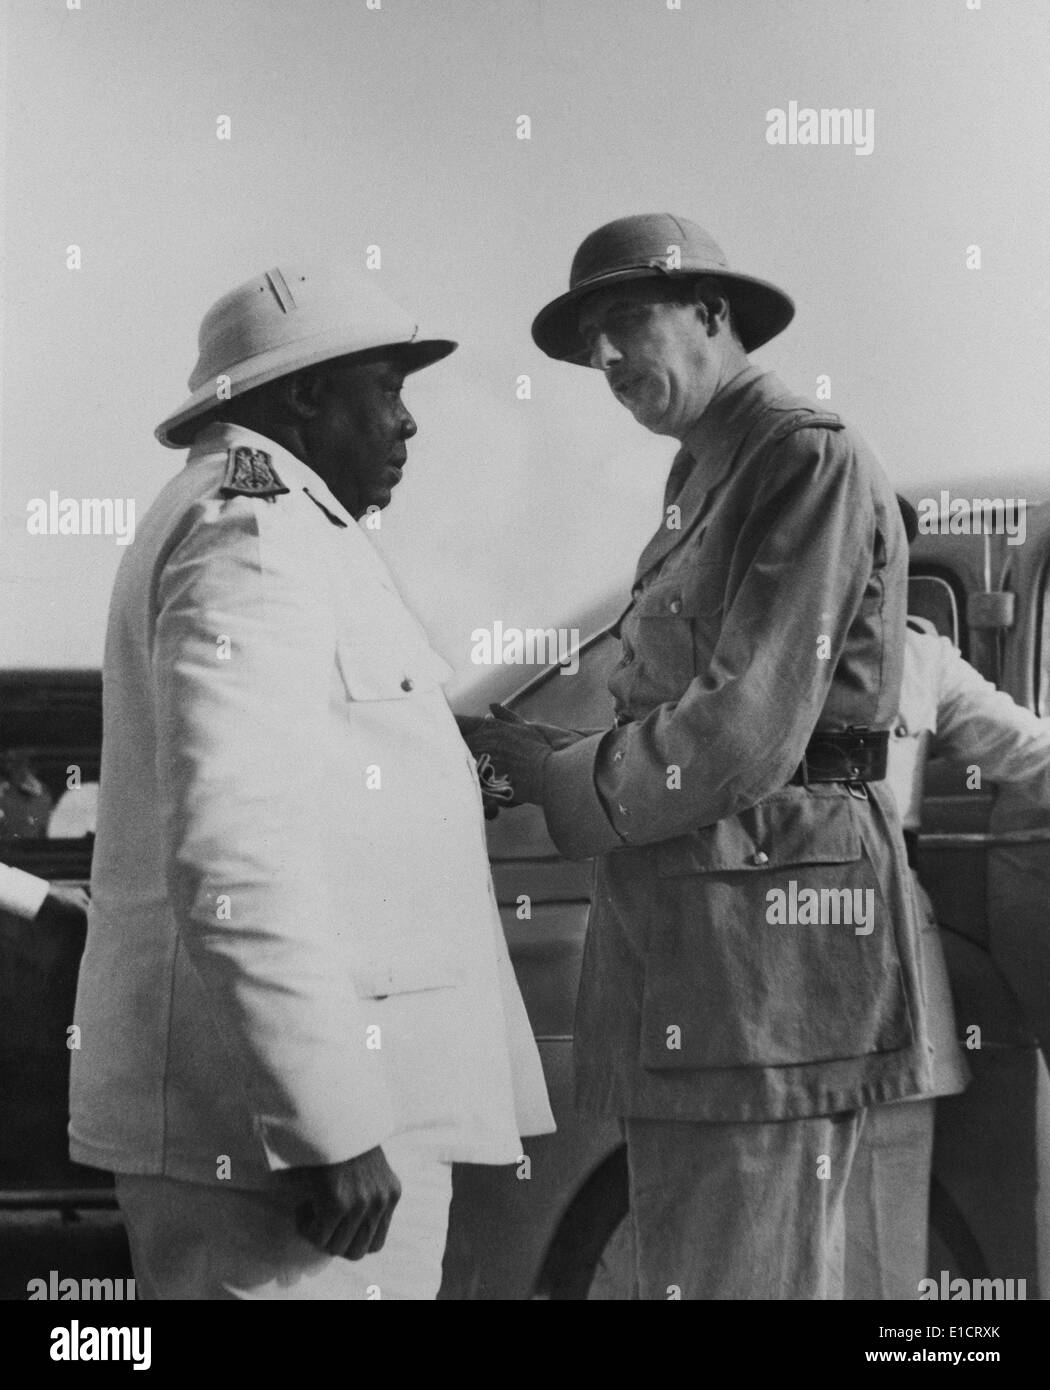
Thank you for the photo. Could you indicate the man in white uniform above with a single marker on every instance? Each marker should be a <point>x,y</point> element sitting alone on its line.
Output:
<point>947,710</point>
<point>296,1004</point>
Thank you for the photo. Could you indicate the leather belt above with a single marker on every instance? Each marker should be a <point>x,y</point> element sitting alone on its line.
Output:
<point>852,755</point>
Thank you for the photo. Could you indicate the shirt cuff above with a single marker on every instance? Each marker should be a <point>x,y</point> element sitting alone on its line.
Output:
<point>576,818</point>
<point>22,893</point>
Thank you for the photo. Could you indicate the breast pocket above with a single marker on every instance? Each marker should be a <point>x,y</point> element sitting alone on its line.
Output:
<point>772,943</point>
<point>383,654</point>
<point>673,627</point>
<point>387,672</point>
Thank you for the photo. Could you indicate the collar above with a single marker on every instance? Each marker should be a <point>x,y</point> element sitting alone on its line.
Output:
<point>297,476</point>
<point>709,446</point>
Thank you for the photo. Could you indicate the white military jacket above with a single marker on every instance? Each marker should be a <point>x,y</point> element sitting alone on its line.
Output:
<point>944,700</point>
<point>948,709</point>
<point>294,950</point>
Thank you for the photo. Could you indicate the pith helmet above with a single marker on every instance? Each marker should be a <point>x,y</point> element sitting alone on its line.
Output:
<point>658,246</point>
<point>287,318</point>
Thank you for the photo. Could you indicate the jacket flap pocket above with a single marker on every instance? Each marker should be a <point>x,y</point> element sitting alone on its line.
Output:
<point>412,975</point>
<point>733,979</point>
<point>691,593</point>
<point>382,671</point>
<point>795,826</point>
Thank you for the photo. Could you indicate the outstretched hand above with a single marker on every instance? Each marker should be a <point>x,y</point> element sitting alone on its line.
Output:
<point>519,751</point>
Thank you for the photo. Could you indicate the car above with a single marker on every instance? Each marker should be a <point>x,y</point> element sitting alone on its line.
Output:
<point>554,1225</point>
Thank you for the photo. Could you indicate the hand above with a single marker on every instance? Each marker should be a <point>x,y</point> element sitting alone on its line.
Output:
<point>556,736</point>
<point>350,1205</point>
<point>65,904</point>
<point>518,751</point>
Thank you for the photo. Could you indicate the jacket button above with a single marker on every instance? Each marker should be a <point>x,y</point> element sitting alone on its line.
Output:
<point>406,684</point>
<point>623,810</point>
<point>900,731</point>
<point>618,756</point>
<point>759,858</point>
<point>676,605</point>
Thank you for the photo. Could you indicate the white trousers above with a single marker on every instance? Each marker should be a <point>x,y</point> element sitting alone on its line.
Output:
<point>211,1241</point>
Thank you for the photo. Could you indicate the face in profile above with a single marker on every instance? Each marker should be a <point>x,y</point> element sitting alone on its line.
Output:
<point>359,434</point>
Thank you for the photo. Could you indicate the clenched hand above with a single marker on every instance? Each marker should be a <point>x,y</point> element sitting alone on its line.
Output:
<point>350,1206</point>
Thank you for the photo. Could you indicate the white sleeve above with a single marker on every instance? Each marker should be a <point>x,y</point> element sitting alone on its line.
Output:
<point>21,893</point>
<point>978,724</point>
<point>241,772</point>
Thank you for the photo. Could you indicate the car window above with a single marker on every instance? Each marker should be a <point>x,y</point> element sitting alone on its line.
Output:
<point>48,794</point>
<point>50,752</point>
<point>932,596</point>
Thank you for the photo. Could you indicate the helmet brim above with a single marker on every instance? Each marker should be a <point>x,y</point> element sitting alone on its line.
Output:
<point>760,309</point>
<point>178,430</point>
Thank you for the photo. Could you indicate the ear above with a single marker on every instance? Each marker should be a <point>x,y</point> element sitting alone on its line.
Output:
<point>302,392</point>
<point>713,311</point>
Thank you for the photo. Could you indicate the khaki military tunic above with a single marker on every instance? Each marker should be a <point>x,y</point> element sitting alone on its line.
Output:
<point>770,603</point>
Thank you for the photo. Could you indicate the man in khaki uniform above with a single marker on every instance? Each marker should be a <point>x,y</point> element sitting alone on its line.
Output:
<point>751,981</point>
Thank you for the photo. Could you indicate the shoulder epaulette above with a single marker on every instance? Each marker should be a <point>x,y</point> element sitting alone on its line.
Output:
<point>808,419</point>
<point>250,473</point>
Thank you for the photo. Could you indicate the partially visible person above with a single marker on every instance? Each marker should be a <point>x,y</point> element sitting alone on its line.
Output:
<point>25,802</point>
<point>947,710</point>
<point>31,898</point>
<point>25,811</point>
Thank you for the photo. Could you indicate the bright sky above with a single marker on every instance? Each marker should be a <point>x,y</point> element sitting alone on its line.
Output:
<point>396,127</point>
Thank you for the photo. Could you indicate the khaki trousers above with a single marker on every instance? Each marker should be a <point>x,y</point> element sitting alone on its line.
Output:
<point>211,1241</point>
<point>740,1211</point>
<point>887,1202</point>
